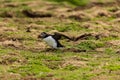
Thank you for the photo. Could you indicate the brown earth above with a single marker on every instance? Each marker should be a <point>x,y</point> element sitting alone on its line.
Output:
<point>15,25</point>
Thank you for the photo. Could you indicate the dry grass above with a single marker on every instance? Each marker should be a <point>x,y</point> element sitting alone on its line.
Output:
<point>92,57</point>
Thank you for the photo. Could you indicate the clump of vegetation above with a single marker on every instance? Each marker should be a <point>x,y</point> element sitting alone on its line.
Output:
<point>68,27</point>
<point>71,67</point>
<point>74,2</point>
<point>112,67</point>
<point>89,45</point>
<point>110,51</point>
<point>33,69</point>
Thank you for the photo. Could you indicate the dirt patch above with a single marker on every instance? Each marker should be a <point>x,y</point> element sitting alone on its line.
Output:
<point>36,14</point>
<point>63,50</point>
<point>118,51</point>
<point>36,27</point>
<point>73,50</point>
<point>116,20</point>
<point>80,16</point>
<point>3,24</point>
<point>102,24</point>
<point>2,38</point>
<point>47,77</point>
<point>7,14</point>
<point>95,3</point>
<point>12,58</point>
<point>100,49</point>
<point>103,4</point>
<point>6,29</point>
<point>92,26</point>
<point>102,13</point>
<point>15,44</point>
<point>106,77</point>
<point>74,61</point>
<point>114,9</point>
<point>12,76</point>
<point>117,14</point>
<point>113,43</point>
<point>30,78</point>
<point>11,5</point>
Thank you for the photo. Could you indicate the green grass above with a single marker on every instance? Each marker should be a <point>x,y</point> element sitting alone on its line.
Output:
<point>42,64</point>
<point>32,69</point>
<point>15,12</point>
<point>110,51</point>
<point>3,50</point>
<point>89,45</point>
<point>68,27</point>
<point>73,2</point>
<point>113,67</point>
<point>31,59</point>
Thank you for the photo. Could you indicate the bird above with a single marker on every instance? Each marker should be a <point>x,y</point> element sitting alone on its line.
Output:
<point>53,39</point>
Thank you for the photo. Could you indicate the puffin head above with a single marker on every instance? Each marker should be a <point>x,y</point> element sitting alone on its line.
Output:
<point>43,35</point>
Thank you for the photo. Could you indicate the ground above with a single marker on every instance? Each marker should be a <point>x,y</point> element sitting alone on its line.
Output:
<point>95,56</point>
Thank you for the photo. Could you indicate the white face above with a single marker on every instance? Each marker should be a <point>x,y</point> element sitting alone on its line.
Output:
<point>50,41</point>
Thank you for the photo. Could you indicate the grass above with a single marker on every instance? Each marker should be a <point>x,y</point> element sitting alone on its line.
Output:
<point>68,27</point>
<point>13,11</point>
<point>31,59</point>
<point>74,2</point>
<point>30,70</point>
<point>42,64</point>
<point>110,51</point>
<point>89,45</point>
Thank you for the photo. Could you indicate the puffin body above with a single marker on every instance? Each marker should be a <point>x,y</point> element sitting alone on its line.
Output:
<point>52,40</point>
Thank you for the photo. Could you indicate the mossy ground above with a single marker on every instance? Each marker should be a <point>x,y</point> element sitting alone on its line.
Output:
<point>24,57</point>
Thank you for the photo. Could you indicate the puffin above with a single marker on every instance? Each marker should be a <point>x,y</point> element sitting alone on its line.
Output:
<point>53,39</point>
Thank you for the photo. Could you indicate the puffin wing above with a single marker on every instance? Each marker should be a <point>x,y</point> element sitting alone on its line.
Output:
<point>84,36</point>
<point>60,35</point>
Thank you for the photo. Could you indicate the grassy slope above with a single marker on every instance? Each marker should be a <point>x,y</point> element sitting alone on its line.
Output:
<point>22,56</point>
